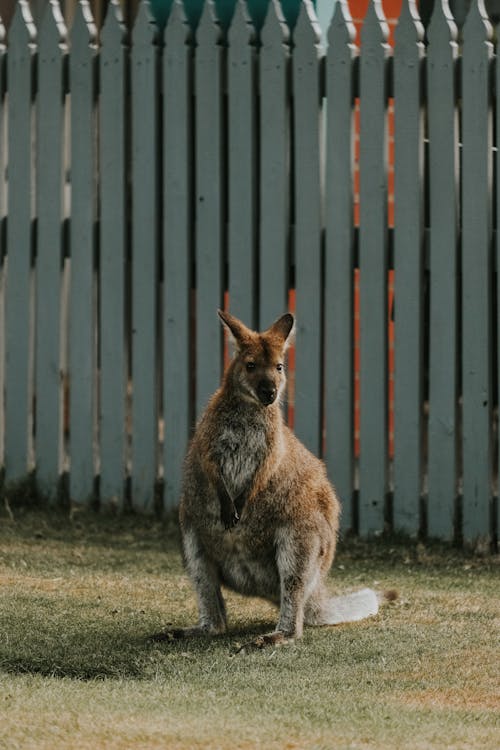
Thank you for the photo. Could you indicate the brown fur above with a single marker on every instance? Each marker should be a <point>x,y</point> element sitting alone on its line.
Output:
<point>257,513</point>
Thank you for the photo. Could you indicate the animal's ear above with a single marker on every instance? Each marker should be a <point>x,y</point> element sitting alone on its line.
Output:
<point>283,329</point>
<point>238,330</point>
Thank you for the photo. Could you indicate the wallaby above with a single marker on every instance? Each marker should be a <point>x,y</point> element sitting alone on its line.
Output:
<point>257,512</point>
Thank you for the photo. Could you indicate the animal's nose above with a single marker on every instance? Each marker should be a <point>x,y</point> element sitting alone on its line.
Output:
<point>266,392</point>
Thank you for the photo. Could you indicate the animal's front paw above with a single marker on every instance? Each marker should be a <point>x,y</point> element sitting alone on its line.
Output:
<point>229,519</point>
<point>277,638</point>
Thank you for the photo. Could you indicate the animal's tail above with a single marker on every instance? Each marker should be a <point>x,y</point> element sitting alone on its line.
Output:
<point>355,606</point>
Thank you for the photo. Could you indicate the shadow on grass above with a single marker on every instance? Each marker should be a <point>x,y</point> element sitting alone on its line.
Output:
<point>103,651</point>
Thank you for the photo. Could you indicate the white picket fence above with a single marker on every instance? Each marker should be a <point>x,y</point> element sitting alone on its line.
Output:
<point>148,178</point>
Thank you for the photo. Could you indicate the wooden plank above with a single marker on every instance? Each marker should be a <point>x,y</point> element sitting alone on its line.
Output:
<point>242,168</point>
<point>443,277</point>
<point>308,229</point>
<point>209,249</point>
<point>51,59</point>
<point>177,248</point>
<point>82,294</point>
<point>113,257</point>
<point>18,298</point>
<point>3,214</point>
<point>496,507</point>
<point>373,272</point>
<point>274,203</point>
<point>477,277</point>
<point>339,259</point>
<point>146,154</point>
<point>409,267</point>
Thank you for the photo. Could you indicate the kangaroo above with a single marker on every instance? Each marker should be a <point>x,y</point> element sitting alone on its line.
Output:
<point>258,513</point>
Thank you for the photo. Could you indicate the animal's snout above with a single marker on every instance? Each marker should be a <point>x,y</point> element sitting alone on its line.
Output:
<point>267,392</point>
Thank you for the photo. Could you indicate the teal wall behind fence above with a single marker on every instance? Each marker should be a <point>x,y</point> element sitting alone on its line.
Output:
<point>225,10</point>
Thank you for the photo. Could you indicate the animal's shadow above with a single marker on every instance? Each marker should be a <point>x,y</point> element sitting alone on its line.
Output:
<point>99,652</point>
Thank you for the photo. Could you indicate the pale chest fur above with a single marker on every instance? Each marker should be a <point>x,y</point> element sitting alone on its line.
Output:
<point>240,449</point>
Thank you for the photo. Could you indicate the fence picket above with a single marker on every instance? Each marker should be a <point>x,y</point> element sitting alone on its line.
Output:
<point>209,205</point>
<point>442,54</point>
<point>308,230</point>
<point>3,132</point>
<point>3,218</point>
<point>49,195</point>
<point>113,257</point>
<point>242,167</point>
<point>82,296</point>
<point>497,260</point>
<point>476,276</point>
<point>409,266</point>
<point>146,155</point>
<point>274,203</point>
<point>18,297</point>
<point>339,259</point>
<point>177,247</point>
<point>373,271</point>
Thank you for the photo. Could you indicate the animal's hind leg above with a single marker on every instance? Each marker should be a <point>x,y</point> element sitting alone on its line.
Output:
<point>205,578</point>
<point>297,563</point>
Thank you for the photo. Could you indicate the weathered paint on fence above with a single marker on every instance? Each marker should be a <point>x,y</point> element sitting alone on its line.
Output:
<point>217,165</point>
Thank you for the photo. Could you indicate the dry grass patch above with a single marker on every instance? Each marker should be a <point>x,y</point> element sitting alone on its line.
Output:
<point>77,667</point>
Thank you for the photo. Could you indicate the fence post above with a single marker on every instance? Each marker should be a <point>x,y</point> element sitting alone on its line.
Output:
<point>18,292</point>
<point>274,200</point>
<point>477,276</point>
<point>146,156</point>
<point>443,276</point>
<point>113,257</point>
<point>52,56</point>
<point>496,513</point>
<point>3,221</point>
<point>373,271</point>
<point>209,250</point>
<point>242,167</point>
<point>408,267</point>
<point>339,259</point>
<point>177,247</point>
<point>308,230</point>
<point>82,295</point>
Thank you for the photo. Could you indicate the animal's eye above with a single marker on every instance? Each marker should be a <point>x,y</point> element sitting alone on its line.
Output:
<point>280,367</point>
<point>250,366</point>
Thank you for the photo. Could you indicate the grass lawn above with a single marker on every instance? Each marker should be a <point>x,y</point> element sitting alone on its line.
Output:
<point>79,599</point>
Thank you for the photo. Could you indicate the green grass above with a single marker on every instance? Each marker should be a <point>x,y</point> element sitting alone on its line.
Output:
<point>79,600</point>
